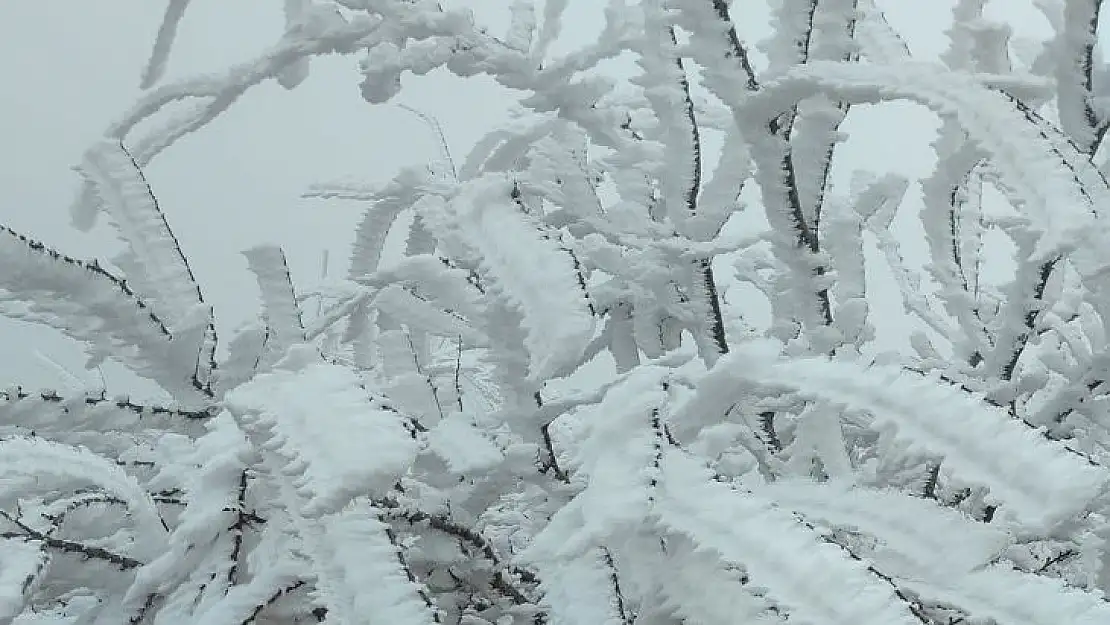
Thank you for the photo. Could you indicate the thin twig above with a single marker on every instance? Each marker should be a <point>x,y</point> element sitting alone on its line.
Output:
<point>68,546</point>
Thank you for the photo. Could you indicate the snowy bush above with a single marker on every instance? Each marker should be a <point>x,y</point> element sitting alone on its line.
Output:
<point>562,403</point>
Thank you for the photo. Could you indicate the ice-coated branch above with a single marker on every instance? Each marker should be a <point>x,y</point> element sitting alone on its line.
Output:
<point>1064,177</point>
<point>950,217</point>
<point>163,43</point>
<point>796,241</point>
<point>816,121</point>
<point>504,576</point>
<point>154,264</point>
<point>737,68</point>
<point>47,411</point>
<point>67,546</point>
<point>100,310</point>
<point>217,93</point>
<point>1018,317</point>
<point>1074,70</point>
<point>279,301</point>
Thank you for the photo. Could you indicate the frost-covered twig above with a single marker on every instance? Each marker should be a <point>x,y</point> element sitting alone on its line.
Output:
<point>67,546</point>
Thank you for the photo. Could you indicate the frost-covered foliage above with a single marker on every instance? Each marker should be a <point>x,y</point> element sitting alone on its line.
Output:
<point>562,403</point>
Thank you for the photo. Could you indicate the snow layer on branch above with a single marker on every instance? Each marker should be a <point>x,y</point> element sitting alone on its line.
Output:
<point>667,89</point>
<point>163,44</point>
<point>522,25</point>
<point>550,29</point>
<point>811,579</point>
<point>420,313</point>
<point>878,41</point>
<point>33,464</point>
<point>580,592</point>
<point>279,301</point>
<point>245,350</point>
<point>335,442</point>
<point>531,269</point>
<point>368,582</point>
<point>918,535</point>
<point>1076,43</point>
<point>1016,598</point>
<point>21,562</point>
<point>464,447</point>
<point>719,196</point>
<point>163,275</point>
<point>560,171</point>
<point>88,304</point>
<point>616,456</point>
<point>502,148</point>
<point>1044,174</point>
<point>323,31</point>
<point>387,205</point>
<point>48,413</point>
<point>299,14</point>
<point>1040,484</point>
<point>437,280</point>
<point>692,575</point>
<point>242,600</point>
<point>323,457</point>
<point>209,473</point>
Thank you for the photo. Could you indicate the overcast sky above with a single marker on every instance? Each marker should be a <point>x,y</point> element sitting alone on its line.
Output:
<point>70,67</point>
